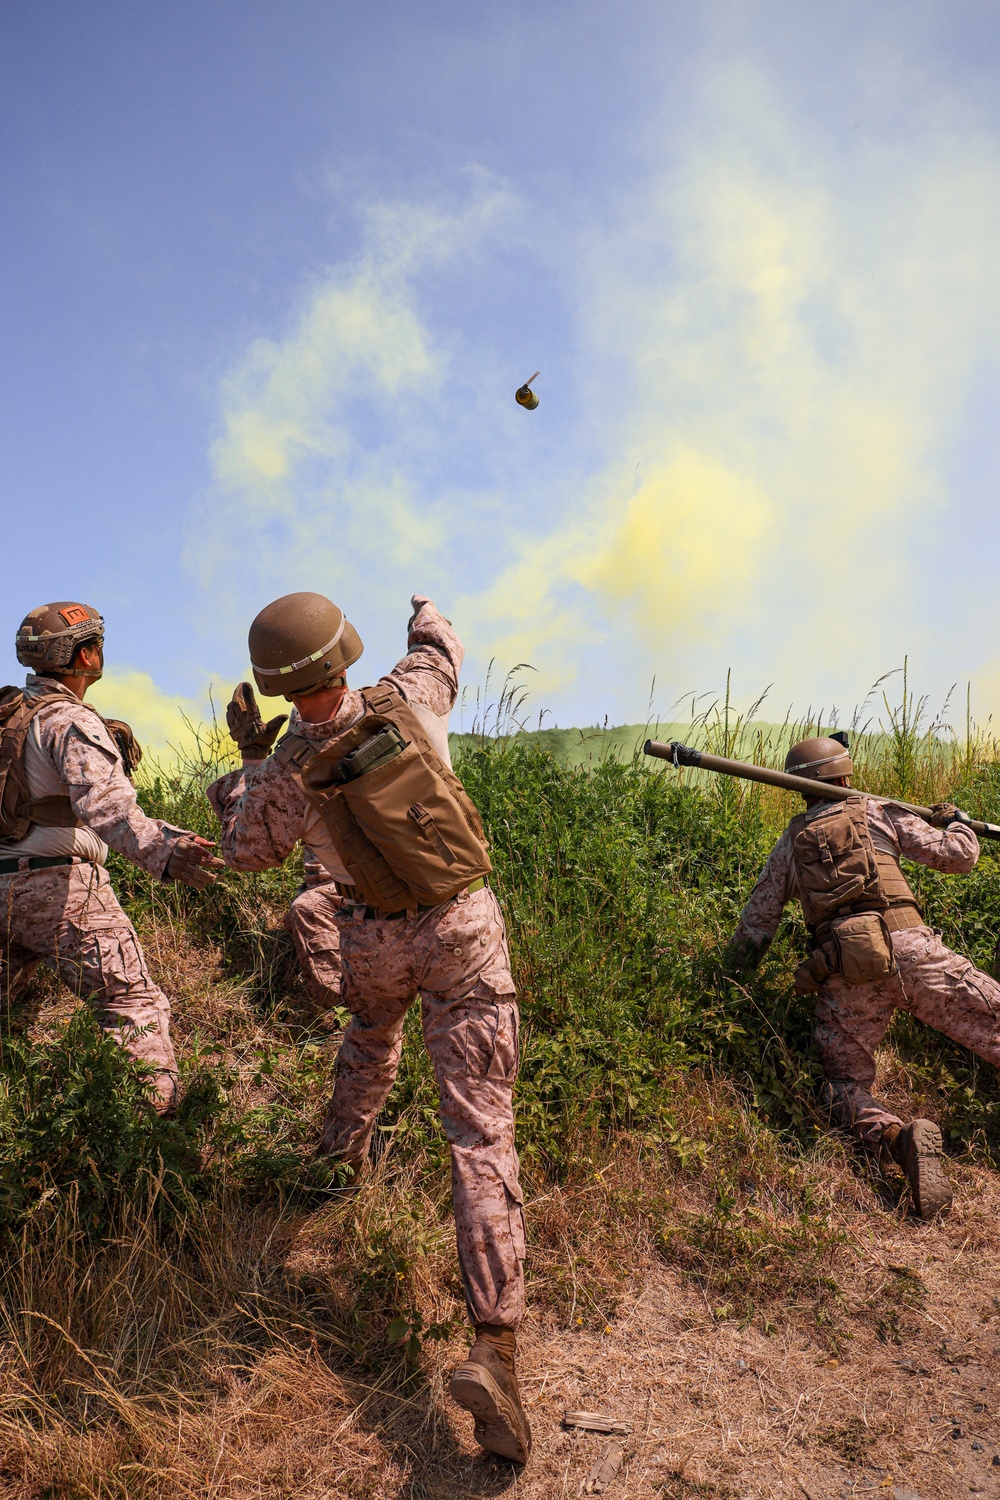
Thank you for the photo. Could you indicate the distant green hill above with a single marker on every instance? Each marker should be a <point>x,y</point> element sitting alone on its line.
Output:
<point>576,747</point>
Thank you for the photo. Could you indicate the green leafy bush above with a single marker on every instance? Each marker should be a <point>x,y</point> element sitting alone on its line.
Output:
<point>74,1119</point>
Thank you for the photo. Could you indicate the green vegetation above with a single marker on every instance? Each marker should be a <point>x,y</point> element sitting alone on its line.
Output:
<point>621,882</point>
<point>671,1104</point>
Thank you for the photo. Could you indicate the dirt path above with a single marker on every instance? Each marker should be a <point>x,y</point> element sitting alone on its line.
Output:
<point>909,1408</point>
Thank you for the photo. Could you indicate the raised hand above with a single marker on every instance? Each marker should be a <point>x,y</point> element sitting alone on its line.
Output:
<point>247,728</point>
<point>417,603</point>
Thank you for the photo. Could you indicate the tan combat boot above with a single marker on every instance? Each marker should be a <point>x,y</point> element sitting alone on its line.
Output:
<point>486,1385</point>
<point>918,1149</point>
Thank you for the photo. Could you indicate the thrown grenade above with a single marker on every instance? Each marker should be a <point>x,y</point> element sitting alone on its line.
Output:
<point>525,396</point>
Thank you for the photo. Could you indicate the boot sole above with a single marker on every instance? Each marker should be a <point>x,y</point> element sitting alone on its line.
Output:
<point>932,1193</point>
<point>498,1422</point>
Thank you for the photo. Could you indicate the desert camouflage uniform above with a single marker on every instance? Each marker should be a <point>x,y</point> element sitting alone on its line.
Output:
<point>312,922</point>
<point>454,956</point>
<point>68,917</point>
<point>934,984</point>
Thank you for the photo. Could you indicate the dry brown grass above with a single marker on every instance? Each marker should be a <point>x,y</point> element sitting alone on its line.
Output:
<point>770,1325</point>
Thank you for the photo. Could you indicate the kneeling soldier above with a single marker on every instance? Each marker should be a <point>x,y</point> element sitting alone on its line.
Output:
<point>872,951</point>
<point>64,798</point>
<point>362,779</point>
<point>311,919</point>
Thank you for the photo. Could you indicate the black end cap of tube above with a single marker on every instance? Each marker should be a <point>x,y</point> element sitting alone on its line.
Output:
<point>678,754</point>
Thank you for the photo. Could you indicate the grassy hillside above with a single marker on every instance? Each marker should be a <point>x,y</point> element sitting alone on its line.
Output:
<point>589,747</point>
<point>189,1309</point>
<point>585,747</point>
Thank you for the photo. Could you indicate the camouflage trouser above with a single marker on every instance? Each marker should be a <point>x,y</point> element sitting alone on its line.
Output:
<point>312,921</point>
<point>68,918</point>
<point>456,958</point>
<point>935,985</point>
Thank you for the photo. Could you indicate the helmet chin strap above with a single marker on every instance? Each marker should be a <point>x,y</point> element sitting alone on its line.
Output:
<point>90,675</point>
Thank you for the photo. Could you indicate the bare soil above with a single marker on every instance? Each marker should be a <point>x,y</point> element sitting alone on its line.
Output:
<point>909,1407</point>
<point>720,1410</point>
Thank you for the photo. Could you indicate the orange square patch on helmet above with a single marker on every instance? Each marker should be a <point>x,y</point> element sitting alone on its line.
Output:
<point>75,615</point>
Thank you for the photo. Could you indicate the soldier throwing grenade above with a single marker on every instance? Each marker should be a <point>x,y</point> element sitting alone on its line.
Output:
<point>64,798</point>
<point>361,780</point>
<point>872,951</point>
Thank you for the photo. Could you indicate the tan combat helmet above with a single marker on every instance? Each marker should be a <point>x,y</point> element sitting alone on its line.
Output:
<point>822,759</point>
<point>48,637</point>
<point>299,643</point>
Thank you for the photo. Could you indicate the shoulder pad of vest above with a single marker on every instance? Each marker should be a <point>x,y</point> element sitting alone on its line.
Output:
<point>382,698</point>
<point>15,699</point>
<point>293,748</point>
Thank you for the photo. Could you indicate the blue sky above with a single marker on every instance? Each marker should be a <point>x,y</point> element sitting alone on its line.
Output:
<point>270,275</point>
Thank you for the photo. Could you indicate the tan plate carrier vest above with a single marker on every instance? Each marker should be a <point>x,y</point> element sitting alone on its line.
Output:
<point>853,895</point>
<point>403,824</point>
<point>18,813</point>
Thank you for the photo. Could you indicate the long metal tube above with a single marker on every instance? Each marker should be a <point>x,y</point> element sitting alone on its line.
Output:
<point>684,755</point>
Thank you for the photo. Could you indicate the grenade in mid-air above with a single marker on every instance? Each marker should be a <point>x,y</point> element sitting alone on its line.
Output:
<point>525,396</point>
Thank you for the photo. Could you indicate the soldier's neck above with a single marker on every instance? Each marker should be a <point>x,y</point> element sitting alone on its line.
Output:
<point>76,683</point>
<point>319,707</point>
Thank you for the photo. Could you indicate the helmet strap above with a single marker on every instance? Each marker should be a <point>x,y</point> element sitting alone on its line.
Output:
<point>321,687</point>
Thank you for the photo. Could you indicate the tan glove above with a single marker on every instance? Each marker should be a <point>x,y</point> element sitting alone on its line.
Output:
<point>417,603</point>
<point>193,863</point>
<point>128,746</point>
<point>945,813</point>
<point>247,728</point>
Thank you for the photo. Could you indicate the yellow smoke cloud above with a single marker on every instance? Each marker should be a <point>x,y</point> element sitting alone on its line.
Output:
<point>294,496</point>
<point>322,431</point>
<point>659,552</point>
<point>692,532</point>
<point>165,724</point>
<point>281,404</point>
<point>796,367</point>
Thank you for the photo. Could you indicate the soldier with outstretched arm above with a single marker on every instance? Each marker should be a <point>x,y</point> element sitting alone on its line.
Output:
<point>65,798</point>
<point>362,779</point>
<point>872,952</point>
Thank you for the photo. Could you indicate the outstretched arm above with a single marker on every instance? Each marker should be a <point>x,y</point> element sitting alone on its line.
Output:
<point>428,673</point>
<point>88,763</point>
<point>953,850</point>
<point>761,916</point>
